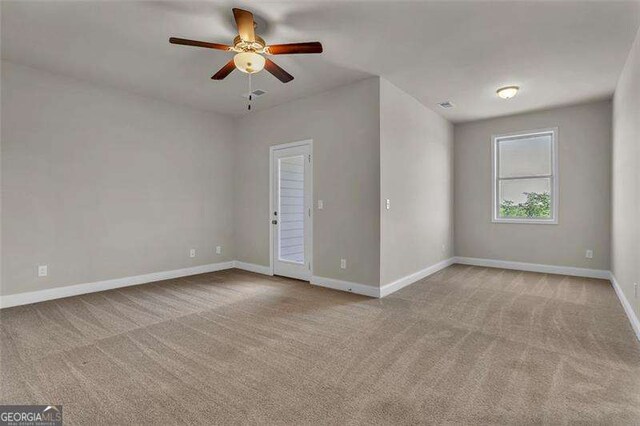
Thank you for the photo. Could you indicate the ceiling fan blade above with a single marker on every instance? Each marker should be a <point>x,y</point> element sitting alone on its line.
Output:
<point>185,42</point>
<point>224,71</point>
<point>293,48</point>
<point>244,22</point>
<point>278,72</point>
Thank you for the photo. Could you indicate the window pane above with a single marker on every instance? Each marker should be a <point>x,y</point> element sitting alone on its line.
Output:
<point>291,209</point>
<point>525,198</point>
<point>525,156</point>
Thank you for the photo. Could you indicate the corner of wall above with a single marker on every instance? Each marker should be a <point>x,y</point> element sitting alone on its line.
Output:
<point>625,181</point>
<point>416,160</point>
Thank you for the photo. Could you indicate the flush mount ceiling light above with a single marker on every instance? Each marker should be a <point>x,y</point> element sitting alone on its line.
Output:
<point>508,92</point>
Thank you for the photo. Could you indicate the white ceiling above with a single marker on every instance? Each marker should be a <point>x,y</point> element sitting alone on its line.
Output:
<point>559,52</point>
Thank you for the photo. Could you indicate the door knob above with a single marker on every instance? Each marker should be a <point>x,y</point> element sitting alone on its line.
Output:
<point>274,222</point>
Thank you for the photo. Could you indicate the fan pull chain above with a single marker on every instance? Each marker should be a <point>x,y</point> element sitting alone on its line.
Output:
<point>250,94</point>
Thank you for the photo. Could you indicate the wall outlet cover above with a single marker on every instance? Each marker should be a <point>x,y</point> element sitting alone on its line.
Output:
<point>43,270</point>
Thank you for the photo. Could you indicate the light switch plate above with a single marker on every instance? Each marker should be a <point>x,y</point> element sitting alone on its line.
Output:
<point>320,204</point>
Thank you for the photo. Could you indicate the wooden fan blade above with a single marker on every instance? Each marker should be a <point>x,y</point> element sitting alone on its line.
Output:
<point>224,71</point>
<point>293,48</point>
<point>185,42</point>
<point>244,22</point>
<point>278,72</point>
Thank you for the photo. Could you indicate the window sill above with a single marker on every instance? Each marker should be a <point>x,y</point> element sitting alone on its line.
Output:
<point>526,221</point>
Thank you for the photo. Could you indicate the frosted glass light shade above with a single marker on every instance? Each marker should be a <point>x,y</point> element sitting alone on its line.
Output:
<point>508,92</point>
<point>249,62</point>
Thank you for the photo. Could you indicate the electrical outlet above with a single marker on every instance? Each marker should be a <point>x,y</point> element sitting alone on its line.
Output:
<point>320,204</point>
<point>218,249</point>
<point>343,263</point>
<point>192,253</point>
<point>43,271</point>
<point>589,254</point>
<point>388,204</point>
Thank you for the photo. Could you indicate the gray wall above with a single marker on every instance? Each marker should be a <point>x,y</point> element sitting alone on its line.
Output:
<point>100,184</point>
<point>625,244</point>
<point>584,150</point>
<point>345,128</point>
<point>416,161</point>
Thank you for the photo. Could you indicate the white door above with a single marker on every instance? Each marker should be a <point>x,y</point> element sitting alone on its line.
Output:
<point>291,210</point>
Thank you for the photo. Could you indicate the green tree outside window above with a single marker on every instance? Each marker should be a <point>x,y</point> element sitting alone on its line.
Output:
<point>537,205</point>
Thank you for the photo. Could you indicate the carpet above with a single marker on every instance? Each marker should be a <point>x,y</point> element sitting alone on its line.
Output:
<point>467,345</point>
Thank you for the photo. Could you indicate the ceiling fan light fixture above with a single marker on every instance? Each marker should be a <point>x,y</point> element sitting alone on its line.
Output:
<point>250,48</point>
<point>249,62</point>
<point>507,92</point>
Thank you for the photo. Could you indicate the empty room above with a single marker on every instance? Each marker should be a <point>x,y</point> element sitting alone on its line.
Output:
<point>320,212</point>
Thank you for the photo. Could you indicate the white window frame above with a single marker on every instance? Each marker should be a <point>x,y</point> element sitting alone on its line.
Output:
<point>495,208</point>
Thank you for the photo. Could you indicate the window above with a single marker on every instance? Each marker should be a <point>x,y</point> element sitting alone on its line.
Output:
<point>525,181</point>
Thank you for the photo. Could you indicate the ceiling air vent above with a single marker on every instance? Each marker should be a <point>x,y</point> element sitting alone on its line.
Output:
<point>446,104</point>
<point>256,94</point>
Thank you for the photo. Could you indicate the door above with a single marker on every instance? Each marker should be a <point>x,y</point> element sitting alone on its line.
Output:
<point>291,219</point>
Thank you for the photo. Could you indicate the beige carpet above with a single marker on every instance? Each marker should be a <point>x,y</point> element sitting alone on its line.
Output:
<point>467,345</point>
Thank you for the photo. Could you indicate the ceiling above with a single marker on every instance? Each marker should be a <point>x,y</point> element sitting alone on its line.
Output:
<point>559,52</point>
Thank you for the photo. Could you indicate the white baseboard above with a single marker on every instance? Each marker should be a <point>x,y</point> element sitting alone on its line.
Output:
<point>394,286</point>
<point>77,289</point>
<point>252,267</point>
<point>365,290</point>
<point>633,318</point>
<point>562,270</point>
<point>534,267</point>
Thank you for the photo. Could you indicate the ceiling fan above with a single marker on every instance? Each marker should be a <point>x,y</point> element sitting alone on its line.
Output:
<point>250,49</point>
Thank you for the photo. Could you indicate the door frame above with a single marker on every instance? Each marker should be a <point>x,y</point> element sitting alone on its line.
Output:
<point>272,149</point>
